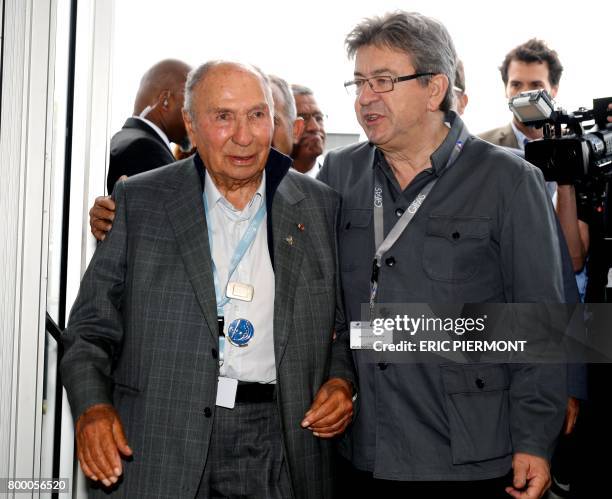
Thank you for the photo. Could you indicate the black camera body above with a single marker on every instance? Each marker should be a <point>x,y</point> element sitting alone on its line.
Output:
<point>569,153</point>
<point>578,154</point>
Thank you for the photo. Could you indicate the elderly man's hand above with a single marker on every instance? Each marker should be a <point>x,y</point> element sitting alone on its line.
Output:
<point>531,476</point>
<point>332,409</point>
<point>100,438</point>
<point>101,216</point>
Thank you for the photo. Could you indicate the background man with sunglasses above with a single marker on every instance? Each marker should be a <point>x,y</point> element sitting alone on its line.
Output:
<point>485,232</point>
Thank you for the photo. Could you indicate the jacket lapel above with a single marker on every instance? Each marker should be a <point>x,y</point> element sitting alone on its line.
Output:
<point>288,255</point>
<point>186,214</point>
<point>507,137</point>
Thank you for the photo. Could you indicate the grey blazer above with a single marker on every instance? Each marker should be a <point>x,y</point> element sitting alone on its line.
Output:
<point>502,136</point>
<point>143,331</point>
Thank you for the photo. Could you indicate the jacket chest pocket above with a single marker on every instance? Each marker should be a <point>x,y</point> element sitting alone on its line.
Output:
<point>355,238</point>
<point>454,247</point>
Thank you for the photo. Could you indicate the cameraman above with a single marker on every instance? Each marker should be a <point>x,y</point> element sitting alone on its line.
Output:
<point>534,66</point>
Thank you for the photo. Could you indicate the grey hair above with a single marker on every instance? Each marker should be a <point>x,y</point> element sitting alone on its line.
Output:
<point>283,87</point>
<point>301,90</point>
<point>423,38</point>
<point>197,75</point>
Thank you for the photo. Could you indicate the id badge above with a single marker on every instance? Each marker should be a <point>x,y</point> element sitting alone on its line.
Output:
<point>239,291</point>
<point>226,392</point>
<point>363,336</point>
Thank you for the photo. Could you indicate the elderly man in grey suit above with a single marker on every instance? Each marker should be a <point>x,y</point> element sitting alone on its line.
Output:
<point>432,214</point>
<point>203,331</point>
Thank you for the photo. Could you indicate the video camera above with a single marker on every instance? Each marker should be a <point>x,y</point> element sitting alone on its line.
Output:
<point>570,152</point>
<point>580,154</point>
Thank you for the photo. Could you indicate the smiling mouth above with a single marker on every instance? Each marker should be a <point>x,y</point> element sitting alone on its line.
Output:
<point>372,118</point>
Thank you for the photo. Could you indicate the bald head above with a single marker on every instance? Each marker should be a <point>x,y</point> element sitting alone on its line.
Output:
<point>166,75</point>
<point>160,98</point>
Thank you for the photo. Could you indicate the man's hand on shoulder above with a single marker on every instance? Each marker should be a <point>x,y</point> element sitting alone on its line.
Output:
<point>100,438</point>
<point>102,214</point>
<point>531,476</point>
<point>331,410</point>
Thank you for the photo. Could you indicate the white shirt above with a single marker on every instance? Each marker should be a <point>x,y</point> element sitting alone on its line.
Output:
<point>157,130</point>
<point>314,171</point>
<point>254,362</point>
<point>521,138</point>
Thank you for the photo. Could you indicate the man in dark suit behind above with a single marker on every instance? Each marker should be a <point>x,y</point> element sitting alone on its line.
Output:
<point>144,141</point>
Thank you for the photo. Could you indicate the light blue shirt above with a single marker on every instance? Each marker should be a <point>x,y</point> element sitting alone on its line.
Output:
<point>254,362</point>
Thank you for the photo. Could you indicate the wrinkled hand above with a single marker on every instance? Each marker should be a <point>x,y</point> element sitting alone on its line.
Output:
<point>571,415</point>
<point>532,472</point>
<point>331,410</point>
<point>100,439</point>
<point>101,216</point>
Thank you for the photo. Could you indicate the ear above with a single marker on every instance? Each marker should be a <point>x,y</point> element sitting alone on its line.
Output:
<point>462,104</point>
<point>298,129</point>
<point>553,91</point>
<point>163,100</point>
<point>189,127</point>
<point>438,85</point>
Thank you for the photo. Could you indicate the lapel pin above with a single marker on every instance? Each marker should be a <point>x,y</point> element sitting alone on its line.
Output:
<point>300,227</point>
<point>289,240</point>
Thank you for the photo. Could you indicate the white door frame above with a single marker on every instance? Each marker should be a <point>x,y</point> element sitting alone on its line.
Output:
<point>25,178</point>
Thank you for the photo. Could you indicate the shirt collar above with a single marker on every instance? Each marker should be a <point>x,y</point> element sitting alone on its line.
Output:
<point>214,198</point>
<point>521,138</point>
<point>439,158</point>
<point>157,130</point>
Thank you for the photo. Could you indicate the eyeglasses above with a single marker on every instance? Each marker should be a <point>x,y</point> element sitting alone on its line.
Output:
<point>380,84</point>
<point>318,117</point>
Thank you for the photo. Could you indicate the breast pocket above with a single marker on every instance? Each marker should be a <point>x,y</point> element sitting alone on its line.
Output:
<point>454,247</point>
<point>477,402</point>
<point>355,238</point>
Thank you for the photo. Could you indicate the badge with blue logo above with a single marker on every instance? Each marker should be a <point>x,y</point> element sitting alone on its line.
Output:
<point>240,332</point>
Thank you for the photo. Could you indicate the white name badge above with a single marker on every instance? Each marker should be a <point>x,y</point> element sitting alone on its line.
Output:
<point>239,291</point>
<point>226,392</point>
<point>363,336</point>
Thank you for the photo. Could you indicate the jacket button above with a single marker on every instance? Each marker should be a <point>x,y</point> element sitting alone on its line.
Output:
<point>456,235</point>
<point>382,366</point>
<point>207,412</point>
<point>214,353</point>
<point>390,261</point>
<point>480,383</point>
<point>399,212</point>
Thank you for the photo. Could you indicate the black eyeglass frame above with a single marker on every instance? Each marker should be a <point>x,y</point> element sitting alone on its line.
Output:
<point>394,80</point>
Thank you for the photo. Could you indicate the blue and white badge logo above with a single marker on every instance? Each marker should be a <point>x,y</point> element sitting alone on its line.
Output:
<point>240,332</point>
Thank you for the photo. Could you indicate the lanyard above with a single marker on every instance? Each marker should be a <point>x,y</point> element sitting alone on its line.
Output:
<point>383,244</point>
<point>243,245</point>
